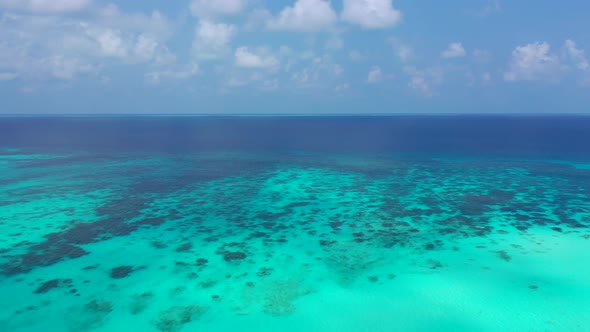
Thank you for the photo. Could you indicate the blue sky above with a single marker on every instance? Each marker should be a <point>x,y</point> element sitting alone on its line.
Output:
<point>294,56</point>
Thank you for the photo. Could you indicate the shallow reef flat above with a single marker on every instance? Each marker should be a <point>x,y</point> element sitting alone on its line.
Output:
<point>292,242</point>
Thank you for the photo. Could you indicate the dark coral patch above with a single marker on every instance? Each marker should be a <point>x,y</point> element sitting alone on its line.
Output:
<point>44,254</point>
<point>140,302</point>
<point>264,271</point>
<point>121,272</point>
<point>90,267</point>
<point>98,306</point>
<point>173,319</point>
<point>158,244</point>
<point>64,245</point>
<point>503,255</point>
<point>208,283</point>
<point>184,247</point>
<point>434,264</point>
<point>327,243</point>
<point>234,256</point>
<point>47,286</point>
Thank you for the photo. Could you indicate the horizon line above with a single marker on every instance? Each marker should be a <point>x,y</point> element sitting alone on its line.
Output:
<point>277,114</point>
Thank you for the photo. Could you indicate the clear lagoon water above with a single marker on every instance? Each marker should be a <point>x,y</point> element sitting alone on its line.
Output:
<point>401,223</point>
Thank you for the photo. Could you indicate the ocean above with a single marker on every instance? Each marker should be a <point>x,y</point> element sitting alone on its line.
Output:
<point>295,223</point>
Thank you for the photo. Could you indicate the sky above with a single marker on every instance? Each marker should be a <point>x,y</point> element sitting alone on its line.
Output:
<point>294,56</point>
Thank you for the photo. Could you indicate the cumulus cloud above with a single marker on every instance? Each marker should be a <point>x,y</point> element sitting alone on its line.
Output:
<point>259,58</point>
<point>46,6</point>
<point>260,80</point>
<point>491,7</point>
<point>404,53</point>
<point>212,39</point>
<point>533,62</point>
<point>318,73</point>
<point>155,24</point>
<point>375,75</point>
<point>304,15</point>
<point>355,55</point>
<point>212,8</point>
<point>41,47</point>
<point>454,50</point>
<point>371,14</point>
<point>424,80</point>
<point>156,77</point>
<point>576,55</point>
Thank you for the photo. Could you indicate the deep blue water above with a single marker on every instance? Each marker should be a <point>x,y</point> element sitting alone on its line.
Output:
<point>470,136</point>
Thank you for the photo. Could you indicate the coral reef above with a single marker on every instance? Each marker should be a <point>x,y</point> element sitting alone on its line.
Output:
<point>279,297</point>
<point>173,319</point>
<point>234,256</point>
<point>121,272</point>
<point>140,302</point>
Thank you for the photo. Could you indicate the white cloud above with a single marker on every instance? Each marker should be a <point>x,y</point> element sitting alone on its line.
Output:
<point>375,75</point>
<point>576,55</point>
<point>259,80</point>
<point>319,72</point>
<point>404,53</point>
<point>304,15</point>
<point>156,77</point>
<point>46,6</point>
<point>355,55</point>
<point>371,14</point>
<point>454,50</point>
<point>491,7</point>
<point>8,76</point>
<point>99,41</point>
<point>212,39</point>
<point>533,62</point>
<point>42,47</point>
<point>68,68</point>
<point>260,58</point>
<point>155,24</point>
<point>212,8</point>
<point>424,80</point>
<point>256,19</point>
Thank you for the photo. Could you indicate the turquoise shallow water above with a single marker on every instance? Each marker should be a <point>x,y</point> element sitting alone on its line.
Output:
<point>292,242</point>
